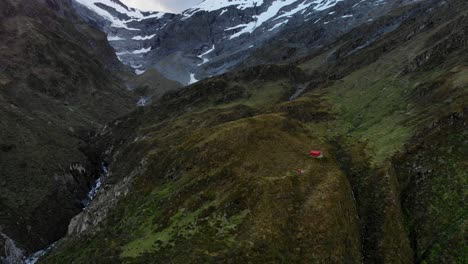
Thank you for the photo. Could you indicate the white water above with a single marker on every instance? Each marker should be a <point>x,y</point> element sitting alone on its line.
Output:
<point>91,195</point>
<point>36,256</point>
<point>97,185</point>
<point>143,101</point>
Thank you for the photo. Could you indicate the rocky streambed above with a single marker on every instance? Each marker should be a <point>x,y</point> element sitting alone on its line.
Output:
<point>94,190</point>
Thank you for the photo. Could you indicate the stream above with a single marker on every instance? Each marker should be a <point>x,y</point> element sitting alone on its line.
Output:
<point>34,258</point>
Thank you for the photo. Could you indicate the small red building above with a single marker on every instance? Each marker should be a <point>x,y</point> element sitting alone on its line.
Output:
<point>300,172</point>
<point>316,154</point>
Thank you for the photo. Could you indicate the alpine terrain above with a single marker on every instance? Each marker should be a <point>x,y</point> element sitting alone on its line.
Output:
<point>237,131</point>
<point>217,36</point>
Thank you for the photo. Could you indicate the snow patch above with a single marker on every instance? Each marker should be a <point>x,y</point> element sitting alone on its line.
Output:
<point>202,56</point>
<point>213,5</point>
<point>91,5</point>
<point>235,27</point>
<point>114,38</point>
<point>325,4</point>
<point>192,79</point>
<point>263,17</point>
<point>130,12</point>
<point>272,12</point>
<point>134,14</point>
<point>155,15</point>
<point>278,25</point>
<point>122,53</point>
<point>144,37</point>
<point>223,11</point>
<point>142,51</point>
<point>296,10</point>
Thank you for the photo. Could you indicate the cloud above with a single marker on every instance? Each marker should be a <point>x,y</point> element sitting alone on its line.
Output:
<point>174,6</point>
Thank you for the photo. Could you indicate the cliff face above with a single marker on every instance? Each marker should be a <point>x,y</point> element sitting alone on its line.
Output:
<point>210,173</point>
<point>57,83</point>
<point>218,36</point>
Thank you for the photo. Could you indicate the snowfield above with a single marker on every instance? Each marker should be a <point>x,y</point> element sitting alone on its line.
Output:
<point>134,14</point>
<point>144,37</point>
<point>274,11</point>
<point>214,5</point>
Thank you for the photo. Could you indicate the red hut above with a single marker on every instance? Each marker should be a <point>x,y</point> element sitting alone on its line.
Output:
<point>316,153</point>
<point>300,171</point>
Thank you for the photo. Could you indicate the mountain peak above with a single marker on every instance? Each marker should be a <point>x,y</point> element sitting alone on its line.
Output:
<point>107,8</point>
<point>178,44</point>
<point>213,5</point>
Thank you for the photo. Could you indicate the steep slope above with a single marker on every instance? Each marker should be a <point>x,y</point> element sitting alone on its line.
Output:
<point>209,173</point>
<point>56,86</point>
<point>151,85</point>
<point>217,36</point>
<point>128,30</point>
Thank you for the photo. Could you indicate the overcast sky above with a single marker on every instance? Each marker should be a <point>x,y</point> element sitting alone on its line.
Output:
<point>174,6</point>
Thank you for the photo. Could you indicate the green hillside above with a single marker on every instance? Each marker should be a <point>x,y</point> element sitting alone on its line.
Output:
<point>209,172</point>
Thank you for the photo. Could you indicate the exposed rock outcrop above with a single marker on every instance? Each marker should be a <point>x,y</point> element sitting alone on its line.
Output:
<point>12,254</point>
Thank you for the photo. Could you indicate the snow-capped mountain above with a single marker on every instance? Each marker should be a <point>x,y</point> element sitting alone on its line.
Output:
<point>220,35</point>
<point>129,30</point>
<point>117,13</point>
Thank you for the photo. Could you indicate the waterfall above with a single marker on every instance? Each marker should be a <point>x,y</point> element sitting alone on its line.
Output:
<point>97,185</point>
<point>91,195</point>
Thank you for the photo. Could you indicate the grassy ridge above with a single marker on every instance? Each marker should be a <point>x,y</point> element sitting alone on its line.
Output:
<point>220,181</point>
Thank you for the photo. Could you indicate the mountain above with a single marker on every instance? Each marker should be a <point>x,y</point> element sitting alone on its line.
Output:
<point>217,36</point>
<point>220,171</point>
<point>151,85</point>
<point>59,82</point>
<point>128,29</point>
